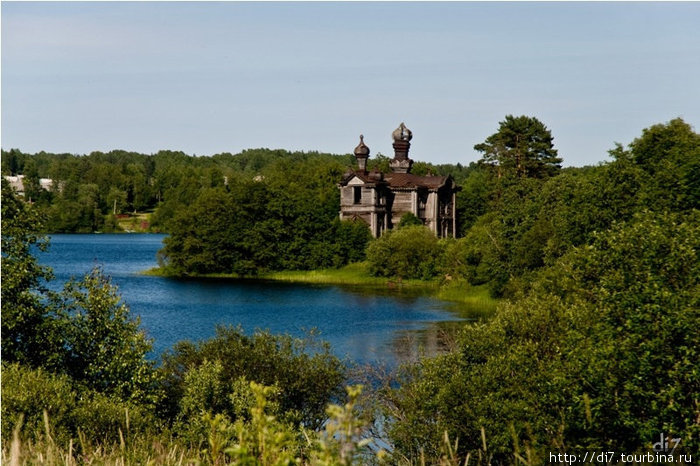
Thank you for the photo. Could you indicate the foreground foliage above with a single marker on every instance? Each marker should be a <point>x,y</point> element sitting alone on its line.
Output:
<point>213,375</point>
<point>28,333</point>
<point>600,353</point>
<point>259,438</point>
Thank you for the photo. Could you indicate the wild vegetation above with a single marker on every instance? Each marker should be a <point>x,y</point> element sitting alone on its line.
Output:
<point>594,346</point>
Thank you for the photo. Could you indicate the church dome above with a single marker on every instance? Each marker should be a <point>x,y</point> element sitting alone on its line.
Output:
<point>362,150</point>
<point>402,133</point>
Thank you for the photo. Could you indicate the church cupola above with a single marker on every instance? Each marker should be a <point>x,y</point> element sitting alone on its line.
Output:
<point>362,154</point>
<point>402,143</point>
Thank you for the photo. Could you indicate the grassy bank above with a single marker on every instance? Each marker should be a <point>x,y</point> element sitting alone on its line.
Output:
<point>352,274</point>
<point>357,275</point>
<point>464,293</point>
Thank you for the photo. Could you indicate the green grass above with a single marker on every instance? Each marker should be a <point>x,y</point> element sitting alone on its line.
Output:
<point>352,274</point>
<point>161,272</point>
<point>464,293</point>
<point>471,299</point>
<point>265,443</point>
<point>357,275</point>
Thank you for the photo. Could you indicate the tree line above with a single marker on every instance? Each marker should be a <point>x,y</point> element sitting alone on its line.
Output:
<point>88,190</point>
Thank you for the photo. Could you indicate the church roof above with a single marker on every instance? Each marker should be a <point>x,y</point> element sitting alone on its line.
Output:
<point>408,180</point>
<point>397,180</point>
<point>373,177</point>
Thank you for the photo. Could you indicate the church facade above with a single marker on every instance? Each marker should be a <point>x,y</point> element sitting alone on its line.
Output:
<point>381,199</point>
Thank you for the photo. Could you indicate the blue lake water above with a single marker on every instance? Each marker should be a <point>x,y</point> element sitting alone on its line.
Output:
<point>382,327</point>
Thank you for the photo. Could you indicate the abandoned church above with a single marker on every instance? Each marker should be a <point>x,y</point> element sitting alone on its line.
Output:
<point>381,199</point>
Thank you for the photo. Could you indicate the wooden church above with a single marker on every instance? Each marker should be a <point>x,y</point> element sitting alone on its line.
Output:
<point>381,199</point>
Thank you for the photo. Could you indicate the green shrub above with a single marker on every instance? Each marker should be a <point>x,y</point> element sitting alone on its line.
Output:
<point>104,345</point>
<point>409,252</point>
<point>70,408</point>
<point>106,419</point>
<point>351,239</point>
<point>409,219</point>
<point>27,393</point>
<point>85,331</point>
<point>205,374</point>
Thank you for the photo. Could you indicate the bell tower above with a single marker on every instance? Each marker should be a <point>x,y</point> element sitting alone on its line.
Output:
<point>402,143</point>
<point>362,154</point>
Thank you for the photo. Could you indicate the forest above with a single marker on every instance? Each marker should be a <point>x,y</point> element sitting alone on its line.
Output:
<point>593,346</point>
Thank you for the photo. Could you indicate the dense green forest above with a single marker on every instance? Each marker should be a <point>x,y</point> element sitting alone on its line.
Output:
<point>89,190</point>
<point>594,346</point>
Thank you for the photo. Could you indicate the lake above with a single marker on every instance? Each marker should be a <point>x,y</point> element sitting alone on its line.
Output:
<point>379,327</point>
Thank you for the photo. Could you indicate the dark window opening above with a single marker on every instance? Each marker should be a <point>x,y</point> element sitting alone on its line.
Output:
<point>357,194</point>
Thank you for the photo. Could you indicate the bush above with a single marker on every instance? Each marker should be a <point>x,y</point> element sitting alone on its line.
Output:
<point>85,331</point>
<point>409,252</point>
<point>351,239</point>
<point>409,219</point>
<point>645,278</point>
<point>28,393</point>
<point>105,347</point>
<point>106,419</point>
<point>205,374</point>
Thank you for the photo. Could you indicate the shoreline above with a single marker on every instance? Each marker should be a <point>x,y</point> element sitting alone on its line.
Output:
<point>356,276</point>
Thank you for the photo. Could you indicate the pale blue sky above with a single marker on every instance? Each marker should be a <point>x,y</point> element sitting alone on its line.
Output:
<point>221,77</point>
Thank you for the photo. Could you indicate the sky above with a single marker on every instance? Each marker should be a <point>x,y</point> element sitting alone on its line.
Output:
<point>205,78</point>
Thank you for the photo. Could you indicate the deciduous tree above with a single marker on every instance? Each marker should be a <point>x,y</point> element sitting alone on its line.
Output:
<point>29,333</point>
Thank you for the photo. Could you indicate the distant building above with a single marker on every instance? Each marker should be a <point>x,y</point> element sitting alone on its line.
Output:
<point>17,183</point>
<point>380,200</point>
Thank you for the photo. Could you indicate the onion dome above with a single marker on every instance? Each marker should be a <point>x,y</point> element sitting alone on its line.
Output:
<point>362,150</point>
<point>402,133</point>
